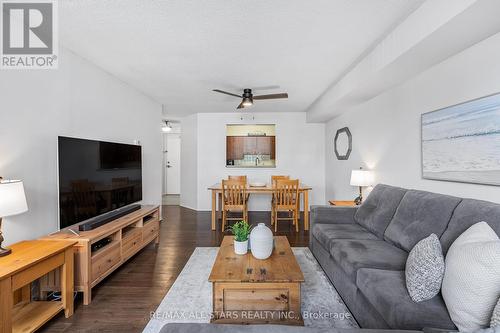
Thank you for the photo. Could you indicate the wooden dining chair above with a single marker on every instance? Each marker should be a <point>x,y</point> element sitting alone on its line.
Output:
<point>233,201</point>
<point>274,179</point>
<point>240,178</point>
<point>286,200</point>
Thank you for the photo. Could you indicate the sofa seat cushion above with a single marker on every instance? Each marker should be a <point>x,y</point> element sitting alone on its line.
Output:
<point>386,291</point>
<point>418,215</point>
<point>325,233</point>
<point>377,210</point>
<point>352,255</point>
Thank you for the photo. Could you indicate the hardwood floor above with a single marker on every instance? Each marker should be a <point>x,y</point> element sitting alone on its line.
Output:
<point>123,302</point>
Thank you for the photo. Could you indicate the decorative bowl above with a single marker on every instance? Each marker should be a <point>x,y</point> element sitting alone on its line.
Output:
<point>258,184</point>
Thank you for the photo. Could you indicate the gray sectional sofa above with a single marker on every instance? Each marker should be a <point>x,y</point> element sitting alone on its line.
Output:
<point>214,328</point>
<point>363,251</point>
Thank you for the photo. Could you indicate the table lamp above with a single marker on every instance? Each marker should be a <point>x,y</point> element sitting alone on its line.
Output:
<point>361,178</point>
<point>12,202</point>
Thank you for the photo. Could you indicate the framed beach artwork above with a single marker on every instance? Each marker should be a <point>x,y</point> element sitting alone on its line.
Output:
<point>461,143</point>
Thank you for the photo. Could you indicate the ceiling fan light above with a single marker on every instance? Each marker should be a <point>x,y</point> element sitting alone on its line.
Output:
<point>247,102</point>
<point>167,127</point>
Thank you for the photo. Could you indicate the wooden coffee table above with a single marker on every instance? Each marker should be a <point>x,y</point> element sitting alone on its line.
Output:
<point>251,291</point>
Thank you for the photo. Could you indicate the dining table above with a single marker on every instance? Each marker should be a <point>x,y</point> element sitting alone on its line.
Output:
<point>268,189</point>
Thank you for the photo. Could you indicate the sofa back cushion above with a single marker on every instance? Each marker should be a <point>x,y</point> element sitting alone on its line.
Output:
<point>420,214</point>
<point>377,211</point>
<point>467,213</point>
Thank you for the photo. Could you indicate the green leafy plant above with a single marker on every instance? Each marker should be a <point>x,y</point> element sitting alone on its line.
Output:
<point>241,231</point>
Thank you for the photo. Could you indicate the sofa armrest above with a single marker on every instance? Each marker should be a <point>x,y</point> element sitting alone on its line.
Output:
<point>332,215</point>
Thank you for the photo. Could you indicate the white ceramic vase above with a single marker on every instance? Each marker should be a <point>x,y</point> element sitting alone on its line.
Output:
<point>261,241</point>
<point>241,247</point>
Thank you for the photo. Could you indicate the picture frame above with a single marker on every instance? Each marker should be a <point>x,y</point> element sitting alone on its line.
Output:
<point>460,143</point>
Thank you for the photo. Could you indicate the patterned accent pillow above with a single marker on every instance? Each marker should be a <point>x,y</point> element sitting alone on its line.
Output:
<point>495,319</point>
<point>425,269</point>
<point>471,283</point>
<point>486,330</point>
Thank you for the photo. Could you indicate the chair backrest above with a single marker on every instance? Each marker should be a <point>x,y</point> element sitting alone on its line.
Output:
<point>287,192</point>
<point>240,178</point>
<point>275,178</point>
<point>233,192</point>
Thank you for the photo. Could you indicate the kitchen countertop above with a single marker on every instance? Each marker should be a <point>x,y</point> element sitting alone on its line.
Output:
<point>251,166</point>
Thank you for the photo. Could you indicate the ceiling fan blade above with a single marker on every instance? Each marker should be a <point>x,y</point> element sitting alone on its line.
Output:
<point>271,96</point>
<point>241,106</point>
<point>275,87</point>
<point>227,93</point>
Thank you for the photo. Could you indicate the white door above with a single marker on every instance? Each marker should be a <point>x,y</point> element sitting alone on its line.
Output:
<point>173,164</point>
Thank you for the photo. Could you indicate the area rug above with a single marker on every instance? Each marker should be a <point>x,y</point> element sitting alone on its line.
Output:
<point>189,300</point>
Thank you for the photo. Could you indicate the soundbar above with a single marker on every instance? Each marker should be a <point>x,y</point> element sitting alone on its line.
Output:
<point>101,220</point>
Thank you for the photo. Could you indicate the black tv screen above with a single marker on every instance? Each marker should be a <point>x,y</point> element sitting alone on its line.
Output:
<point>96,177</point>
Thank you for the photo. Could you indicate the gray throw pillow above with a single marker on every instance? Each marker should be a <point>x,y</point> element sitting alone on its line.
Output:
<point>495,319</point>
<point>425,269</point>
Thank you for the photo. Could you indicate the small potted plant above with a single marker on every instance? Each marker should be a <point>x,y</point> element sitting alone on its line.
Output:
<point>241,232</point>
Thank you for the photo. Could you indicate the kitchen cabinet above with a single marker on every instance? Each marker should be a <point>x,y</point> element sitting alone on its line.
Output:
<point>273,147</point>
<point>235,147</point>
<point>250,145</point>
<point>238,146</point>
<point>263,146</point>
<point>266,146</point>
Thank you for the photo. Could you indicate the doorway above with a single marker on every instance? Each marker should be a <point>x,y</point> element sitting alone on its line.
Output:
<point>171,168</point>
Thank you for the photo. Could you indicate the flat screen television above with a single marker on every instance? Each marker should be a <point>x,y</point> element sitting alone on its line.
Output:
<point>96,177</point>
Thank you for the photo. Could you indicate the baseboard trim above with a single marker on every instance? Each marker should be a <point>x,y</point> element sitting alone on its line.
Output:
<point>188,207</point>
<point>209,210</point>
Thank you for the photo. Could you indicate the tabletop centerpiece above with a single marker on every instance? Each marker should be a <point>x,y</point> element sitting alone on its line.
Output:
<point>241,232</point>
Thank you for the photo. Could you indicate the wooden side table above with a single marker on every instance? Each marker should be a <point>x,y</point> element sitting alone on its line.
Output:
<point>345,203</point>
<point>29,261</point>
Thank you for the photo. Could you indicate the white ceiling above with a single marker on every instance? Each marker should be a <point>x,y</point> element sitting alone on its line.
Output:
<point>177,51</point>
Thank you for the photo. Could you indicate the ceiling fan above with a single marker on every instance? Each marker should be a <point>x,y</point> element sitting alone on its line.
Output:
<point>248,97</point>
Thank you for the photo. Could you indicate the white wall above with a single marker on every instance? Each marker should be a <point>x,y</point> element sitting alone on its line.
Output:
<point>77,100</point>
<point>386,129</point>
<point>299,153</point>
<point>189,162</point>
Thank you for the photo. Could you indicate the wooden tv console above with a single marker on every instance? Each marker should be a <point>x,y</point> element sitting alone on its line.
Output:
<point>128,235</point>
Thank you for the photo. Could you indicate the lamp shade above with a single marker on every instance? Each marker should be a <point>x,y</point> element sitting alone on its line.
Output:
<point>12,198</point>
<point>362,178</point>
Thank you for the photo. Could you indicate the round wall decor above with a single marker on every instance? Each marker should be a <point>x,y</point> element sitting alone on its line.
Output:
<point>343,144</point>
